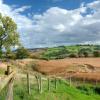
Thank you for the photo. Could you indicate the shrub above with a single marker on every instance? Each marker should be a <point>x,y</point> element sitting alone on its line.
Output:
<point>34,56</point>
<point>73,55</point>
<point>96,53</point>
<point>97,90</point>
<point>22,53</point>
<point>11,55</point>
<point>88,90</point>
<point>86,54</point>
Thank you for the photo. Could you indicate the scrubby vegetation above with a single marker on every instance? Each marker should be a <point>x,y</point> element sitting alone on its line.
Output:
<point>22,53</point>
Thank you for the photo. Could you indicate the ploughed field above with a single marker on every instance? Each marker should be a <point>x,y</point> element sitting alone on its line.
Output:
<point>88,68</point>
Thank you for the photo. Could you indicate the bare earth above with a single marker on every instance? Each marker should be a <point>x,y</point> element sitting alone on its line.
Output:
<point>88,68</point>
<point>81,67</point>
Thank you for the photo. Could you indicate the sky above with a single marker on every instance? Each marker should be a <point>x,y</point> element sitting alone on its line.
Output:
<point>48,23</point>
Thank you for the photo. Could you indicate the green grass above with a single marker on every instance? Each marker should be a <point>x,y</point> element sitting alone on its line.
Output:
<point>2,71</point>
<point>63,92</point>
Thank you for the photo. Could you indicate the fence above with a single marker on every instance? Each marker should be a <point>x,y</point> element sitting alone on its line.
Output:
<point>70,80</point>
<point>7,81</point>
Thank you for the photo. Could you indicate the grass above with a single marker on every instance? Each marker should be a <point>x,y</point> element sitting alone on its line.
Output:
<point>2,71</point>
<point>63,92</point>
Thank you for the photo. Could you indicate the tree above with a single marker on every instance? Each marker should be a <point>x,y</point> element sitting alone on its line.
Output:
<point>8,33</point>
<point>22,53</point>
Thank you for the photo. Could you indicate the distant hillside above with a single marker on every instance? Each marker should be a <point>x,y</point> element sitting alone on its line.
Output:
<point>67,51</point>
<point>60,52</point>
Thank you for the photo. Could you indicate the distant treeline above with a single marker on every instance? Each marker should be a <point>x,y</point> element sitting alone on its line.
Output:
<point>72,52</point>
<point>60,52</point>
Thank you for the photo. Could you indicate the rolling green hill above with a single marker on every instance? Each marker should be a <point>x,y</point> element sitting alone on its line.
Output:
<point>71,51</point>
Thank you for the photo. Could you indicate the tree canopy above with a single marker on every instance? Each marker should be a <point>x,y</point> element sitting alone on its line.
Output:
<point>9,36</point>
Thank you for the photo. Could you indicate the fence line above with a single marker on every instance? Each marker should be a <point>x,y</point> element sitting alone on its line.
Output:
<point>69,80</point>
<point>7,81</point>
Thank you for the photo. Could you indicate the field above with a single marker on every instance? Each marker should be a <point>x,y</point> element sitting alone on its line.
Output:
<point>80,67</point>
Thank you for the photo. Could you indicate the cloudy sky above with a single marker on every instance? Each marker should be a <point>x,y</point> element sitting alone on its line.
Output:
<point>47,23</point>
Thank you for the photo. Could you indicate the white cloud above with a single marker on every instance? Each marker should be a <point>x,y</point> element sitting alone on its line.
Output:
<point>57,26</point>
<point>95,5</point>
<point>21,9</point>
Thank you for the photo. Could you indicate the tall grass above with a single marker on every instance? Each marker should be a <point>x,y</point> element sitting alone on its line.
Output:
<point>63,92</point>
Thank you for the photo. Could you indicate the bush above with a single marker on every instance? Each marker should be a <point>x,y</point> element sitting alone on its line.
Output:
<point>34,56</point>
<point>22,53</point>
<point>84,52</point>
<point>73,55</point>
<point>11,55</point>
<point>96,53</point>
<point>97,90</point>
<point>88,90</point>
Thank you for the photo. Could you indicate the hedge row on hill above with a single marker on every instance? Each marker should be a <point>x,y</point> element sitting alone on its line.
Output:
<point>71,52</point>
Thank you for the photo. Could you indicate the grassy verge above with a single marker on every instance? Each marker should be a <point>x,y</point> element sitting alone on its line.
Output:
<point>63,92</point>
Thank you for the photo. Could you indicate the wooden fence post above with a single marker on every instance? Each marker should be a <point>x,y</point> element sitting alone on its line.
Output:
<point>70,81</point>
<point>55,83</point>
<point>40,84</point>
<point>10,90</point>
<point>83,80</point>
<point>10,85</point>
<point>96,82</point>
<point>48,84</point>
<point>28,83</point>
<point>8,70</point>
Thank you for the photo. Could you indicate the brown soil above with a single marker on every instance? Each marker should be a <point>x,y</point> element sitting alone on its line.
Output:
<point>79,67</point>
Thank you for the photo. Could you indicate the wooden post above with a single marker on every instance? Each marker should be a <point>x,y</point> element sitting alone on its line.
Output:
<point>48,84</point>
<point>8,70</point>
<point>40,84</point>
<point>70,81</point>
<point>55,83</point>
<point>96,82</point>
<point>10,90</point>
<point>28,83</point>
<point>10,85</point>
<point>83,80</point>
